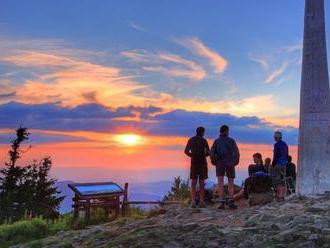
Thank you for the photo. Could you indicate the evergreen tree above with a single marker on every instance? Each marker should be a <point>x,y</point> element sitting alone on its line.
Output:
<point>179,190</point>
<point>45,191</point>
<point>11,180</point>
<point>29,190</point>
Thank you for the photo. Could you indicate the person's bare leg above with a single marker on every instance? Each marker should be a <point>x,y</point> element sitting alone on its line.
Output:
<point>193,190</point>
<point>239,195</point>
<point>231,187</point>
<point>231,202</point>
<point>220,188</point>
<point>202,190</point>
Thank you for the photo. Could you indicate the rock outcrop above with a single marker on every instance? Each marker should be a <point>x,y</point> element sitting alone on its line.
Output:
<point>299,222</point>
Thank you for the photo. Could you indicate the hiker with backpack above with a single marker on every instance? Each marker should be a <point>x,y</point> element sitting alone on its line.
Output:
<point>225,156</point>
<point>198,149</point>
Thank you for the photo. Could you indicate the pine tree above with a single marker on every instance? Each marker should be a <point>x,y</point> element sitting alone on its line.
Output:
<point>27,191</point>
<point>45,191</point>
<point>179,190</point>
<point>11,180</point>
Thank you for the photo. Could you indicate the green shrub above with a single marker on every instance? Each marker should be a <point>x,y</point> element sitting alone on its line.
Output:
<point>27,230</point>
<point>22,231</point>
<point>180,191</point>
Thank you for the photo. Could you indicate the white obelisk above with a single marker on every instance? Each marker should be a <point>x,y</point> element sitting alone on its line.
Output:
<point>314,131</point>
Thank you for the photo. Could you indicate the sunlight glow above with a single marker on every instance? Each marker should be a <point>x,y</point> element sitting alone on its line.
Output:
<point>129,139</point>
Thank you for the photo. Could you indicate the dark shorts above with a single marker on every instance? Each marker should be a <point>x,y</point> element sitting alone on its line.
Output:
<point>198,171</point>
<point>228,171</point>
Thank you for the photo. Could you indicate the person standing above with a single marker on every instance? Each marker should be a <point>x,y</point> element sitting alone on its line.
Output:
<point>280,161</point>
<point>198,149</point>
<point>225,156</point>
<point>291,175</point>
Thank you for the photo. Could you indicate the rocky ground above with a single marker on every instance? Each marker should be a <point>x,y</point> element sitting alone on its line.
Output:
<point>299,222</point>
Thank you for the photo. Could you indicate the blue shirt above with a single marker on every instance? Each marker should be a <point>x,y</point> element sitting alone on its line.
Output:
<point>281,153</point>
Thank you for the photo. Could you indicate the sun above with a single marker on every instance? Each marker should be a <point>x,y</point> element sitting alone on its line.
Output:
<point>129,139</point>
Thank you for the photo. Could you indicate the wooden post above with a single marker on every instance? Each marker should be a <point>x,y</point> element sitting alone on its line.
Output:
<point>76,207</point>
<point>125,200</point>
<point>87,211</point>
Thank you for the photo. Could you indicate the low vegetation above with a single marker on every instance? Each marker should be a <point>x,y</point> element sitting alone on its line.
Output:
<point>36,228</point>
<point>180,191</point>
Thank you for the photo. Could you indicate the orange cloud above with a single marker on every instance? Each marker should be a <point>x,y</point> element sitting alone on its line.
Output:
<point>72,82</point>
<point>69,80</point>
<point>216,60</point>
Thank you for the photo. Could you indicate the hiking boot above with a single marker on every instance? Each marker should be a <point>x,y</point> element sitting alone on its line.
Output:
<point>202,204</point>
<point>193,204</point>
<point>231,204</point>
<point>222,205</point>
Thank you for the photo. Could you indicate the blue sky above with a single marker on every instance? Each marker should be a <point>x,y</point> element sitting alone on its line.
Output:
<point>241,58</point>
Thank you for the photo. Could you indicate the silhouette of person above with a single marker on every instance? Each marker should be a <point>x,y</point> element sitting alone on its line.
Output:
<point>198,149</point>
<point>225,156</point>
<point>280,161</point>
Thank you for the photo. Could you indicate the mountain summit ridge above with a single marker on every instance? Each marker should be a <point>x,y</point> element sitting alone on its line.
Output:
<point>299,222</point>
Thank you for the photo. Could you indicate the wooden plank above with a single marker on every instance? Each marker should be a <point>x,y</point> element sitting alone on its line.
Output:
<point>101,195</point>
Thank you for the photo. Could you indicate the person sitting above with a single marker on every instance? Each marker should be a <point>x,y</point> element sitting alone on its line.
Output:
<point>257,166</point>
<point>290,176</point>
<point>259,189</point>
<point>258,186</point>
<point>267,165</point>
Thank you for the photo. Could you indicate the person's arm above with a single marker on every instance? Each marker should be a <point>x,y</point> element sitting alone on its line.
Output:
<point>213,153</point>
<point>275,155</point>
<point>294,171</point>
<point>250,170</point>
<point>236,153</point>
<point>207,149</point>
<point>187,150</point>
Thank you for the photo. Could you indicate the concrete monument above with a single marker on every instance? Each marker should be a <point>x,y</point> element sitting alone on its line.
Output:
<point>314,130</point>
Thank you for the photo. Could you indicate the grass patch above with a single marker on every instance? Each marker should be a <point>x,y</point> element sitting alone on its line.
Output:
<point>32,231</point>
<point>22,231</point>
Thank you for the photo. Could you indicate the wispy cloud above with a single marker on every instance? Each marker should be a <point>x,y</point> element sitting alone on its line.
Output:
<point>276,73</point>
<point>294,48</point>
<point>276,63</point>
<point>263,62</point>
<point>218,62</point>
<point>68,80</point>
<point>136,26</point>
<point>167,64</point>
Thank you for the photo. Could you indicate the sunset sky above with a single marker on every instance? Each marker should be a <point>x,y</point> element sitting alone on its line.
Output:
<point>107,87</point>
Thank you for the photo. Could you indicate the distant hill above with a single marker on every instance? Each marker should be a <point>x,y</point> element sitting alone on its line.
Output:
<point>68,193</point>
